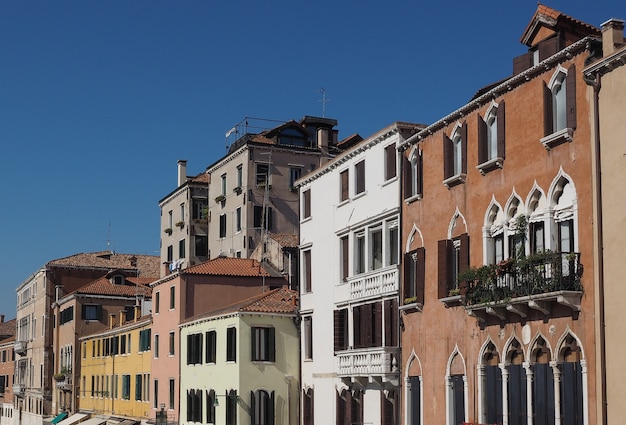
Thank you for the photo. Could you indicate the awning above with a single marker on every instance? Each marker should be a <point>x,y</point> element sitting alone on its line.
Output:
<point>59,417</point>
<point>94,421</point>
<point>76,417</point>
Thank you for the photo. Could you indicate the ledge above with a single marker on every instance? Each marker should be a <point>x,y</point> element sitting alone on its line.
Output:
<point>492,164</point>
<point>555,139</point>
<point>454,180</point>
<point>453,301</point>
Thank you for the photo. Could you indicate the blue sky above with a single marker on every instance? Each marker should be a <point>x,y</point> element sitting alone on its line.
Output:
<point>99,99</point>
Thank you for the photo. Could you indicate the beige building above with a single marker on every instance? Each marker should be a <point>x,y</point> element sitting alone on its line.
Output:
<point>184,223</point>
<point>34,360</point>
<point>606,78</point>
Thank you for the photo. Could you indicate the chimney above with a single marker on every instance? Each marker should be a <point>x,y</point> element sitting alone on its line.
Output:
<point>322,144</point>
<point>137,312</point>
<point>612,36</point>
<point>122,317</point>
<point>111,321</point>
<point>1,318</point>
<point>182,171</point>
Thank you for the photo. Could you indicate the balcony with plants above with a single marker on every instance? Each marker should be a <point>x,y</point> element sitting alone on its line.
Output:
<point>523,284</point>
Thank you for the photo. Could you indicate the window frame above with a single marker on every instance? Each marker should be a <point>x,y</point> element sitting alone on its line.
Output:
<point>263,344</point>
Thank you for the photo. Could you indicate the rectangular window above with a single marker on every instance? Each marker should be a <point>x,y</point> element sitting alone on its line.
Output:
<point>239,176</point>
<point>138,385</point>
<point>157,302</point>
<point>156,346</point>
<point>262,174</point>
<point>194,348</point>
<point>307,329</point>
<point>263,348</point>
<point>123,344</point>
<point>181,248</point>
<point>359,253</point>
<point>306,271</point>
<point>91,312</point>
<point>414,276</point>
<point>537,237</point>
<point>156,394</point>
<point>263,217</point>
<point>498,248</point>
<point>231,344</point>
<point>306,203</point>
<point>344,184</point>
<point>171,394</point>
<point>340,329</point>
<point>390,161</point>
<point>238,219</point>
<point>170,219</point>
<point>393,243</point>
<point>144,340</point>
<point>171,350</point>
<point>294,174</point>
<point>359,172</point>
<point>211,346</point>
<point>199,209</point>
<point>566,235</point>
<point>172,297</point>
<point>170,253</point>
<point>125,387</point>
<point>376,248</point>
<point>222,225</point>
<point>223,179</point>
<point>201,245</point>
<point>345,256</point>
<point>182,212</point>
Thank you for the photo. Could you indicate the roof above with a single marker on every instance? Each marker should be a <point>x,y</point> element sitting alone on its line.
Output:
<point>546,17</point>
<point>200,178</point>
<point>7,329</point>
<point>276,301</point>
<point>103,286</point>
<point>146,265</point>
<point>228,266</point>
<point>285,240</point>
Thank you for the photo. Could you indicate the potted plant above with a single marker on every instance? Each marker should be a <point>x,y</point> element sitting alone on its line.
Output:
<point>180,224</point>
<point>237,190</point>
<point>219,199</point>
<point>168,230</point>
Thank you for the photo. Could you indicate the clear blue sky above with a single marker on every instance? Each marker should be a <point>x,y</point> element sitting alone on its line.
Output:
<point>99,99</point>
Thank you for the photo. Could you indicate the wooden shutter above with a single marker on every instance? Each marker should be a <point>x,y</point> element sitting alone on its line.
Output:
<point>444,254</point>
<point>377,328</point>
<point>360,177</point>
<point>307,271</point>
<point>345,184</point>
<point>548,48</point>
<point>272,343</point>
<point>356,326</point>
<point>464,148</point>
<point>306,195</point>
<point>270,409</point>
<point>253,409</point>
<point>420,274</point>
<point>570,96</point>
<point>406,278</point>
<point>366,325</point>
<point>407,176</point>
<point>340,321</point>
<point>482,139</point>
<point>522,63</point>
<point>501,117</point>
<point>390,161</point>
<point>391,322</point>
<point>415,399</point>
<point>340,409</point>
<point>548,127</point>
<point>448,158</point>
<point>419,174</point>
<point>464,253</point>
<point>345,252</point>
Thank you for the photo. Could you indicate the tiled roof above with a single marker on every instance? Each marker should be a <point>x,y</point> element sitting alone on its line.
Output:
<point>228,266</point>
<point>277,301</point>
<point>285,240</point>
<point>547,17</point>
<point>147,265</point>
<point>7,329</point>
<point>200,178</point>
<point>103,286</point>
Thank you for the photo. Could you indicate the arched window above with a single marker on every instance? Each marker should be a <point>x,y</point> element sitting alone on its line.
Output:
<point>456,382</point>
<point>559,98</point>
<point>572,400</point>
<point>516,385</point>
<point>262,407</point>
<point>491,385</point>
<point>543,384</point>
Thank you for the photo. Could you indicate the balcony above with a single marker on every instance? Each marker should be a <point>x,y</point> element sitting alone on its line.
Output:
<point>375,283</point>
<point>20,347</point>
<point>19,389</point>
<point>523,285</point>
<point>371,364</point>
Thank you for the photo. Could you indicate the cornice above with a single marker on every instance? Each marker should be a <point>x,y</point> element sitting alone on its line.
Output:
<point>606,65</point>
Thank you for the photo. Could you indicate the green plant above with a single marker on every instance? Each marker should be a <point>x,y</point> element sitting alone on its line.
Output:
<point>168,230</point>
<point>410,300</point>
<point>180,224</point>
<point>220,198</point>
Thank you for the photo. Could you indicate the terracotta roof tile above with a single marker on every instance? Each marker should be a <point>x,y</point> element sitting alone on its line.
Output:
<point>7,330</point>
<point>103,286</point>
<point>147,265</point>
<point>286,240</point>
<point>200,178</point>
<point>228,266</point>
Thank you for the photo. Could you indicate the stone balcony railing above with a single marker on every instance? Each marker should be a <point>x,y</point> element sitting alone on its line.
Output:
<point>374,283</point>
<point>371,363</point>
<point>18,390</point>
<point>20,347</point>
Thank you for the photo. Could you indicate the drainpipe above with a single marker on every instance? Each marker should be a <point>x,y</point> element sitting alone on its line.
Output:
<point>596,84</point>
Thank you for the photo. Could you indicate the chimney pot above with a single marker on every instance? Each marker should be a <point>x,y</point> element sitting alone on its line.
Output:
<point>612,36</point>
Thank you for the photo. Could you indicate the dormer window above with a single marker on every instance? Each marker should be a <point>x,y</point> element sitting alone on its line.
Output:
<point>292,137</point>
<point>118,279</point>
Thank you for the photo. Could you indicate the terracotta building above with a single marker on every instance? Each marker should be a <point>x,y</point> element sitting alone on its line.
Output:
<point>497,316</point>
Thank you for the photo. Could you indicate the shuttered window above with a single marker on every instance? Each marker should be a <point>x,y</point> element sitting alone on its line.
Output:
<point>211,346</point>
<point>452,258</point>
<point>359,183</point>
<point>307,333</point>
<point>263,344</point>
<point>414,275</point>
<point>344,184</point>
<point>345,252</point>
<point>306,203</point>
<point>306,272</point>
<point>231,344</point>
<point>340,326</point>
<point>390,161</point>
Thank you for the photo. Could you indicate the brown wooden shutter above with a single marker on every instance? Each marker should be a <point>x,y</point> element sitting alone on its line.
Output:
<point>548,48</point>
<point>377,328</point>
<point>419,175</point>
<point>360,177</point>
<point>464,148</point>
<point>345,183</point>
<point>391,322</point>
<point>356,326</point>
<point>501,117</point>
<point>482,139</point>
<point>444,248</point>
<point>348,415</point>
<point>570,96</point>
<point>522,63</point>
<point>390,162</point>
<point>406,277</point>
<point>448,159</point>
<point>345,252</point>
<point>340,320</point>
<point>367,325</point>
<point>420,274</point>
<point>307,203</point>
<point>464,252</point>
<point>407,176</point>
<point>548,127</point>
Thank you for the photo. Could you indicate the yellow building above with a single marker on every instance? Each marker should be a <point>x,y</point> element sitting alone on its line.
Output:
<point>115,369</point>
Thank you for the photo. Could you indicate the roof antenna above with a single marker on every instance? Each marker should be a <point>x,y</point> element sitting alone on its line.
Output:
<point>324,101</point>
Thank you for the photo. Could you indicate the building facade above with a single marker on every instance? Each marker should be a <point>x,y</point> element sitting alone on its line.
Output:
<point>349,284</point>
<point>498,321</point>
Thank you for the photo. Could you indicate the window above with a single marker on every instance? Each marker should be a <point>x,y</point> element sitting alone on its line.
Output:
<point>194,405</point>
<point>344,249</point>
<point>92,312</point>
<point>172,384</point>
<point>182,212</point>
<point>340,327</point>
<point>223,186</point>
<point>390,161</point>
<point>211,347</point>
<point>263,344</point>
<point>238,219</point>
<point>263,220</point>
<point>306,203</point>
<point>393,243</point>
<point>262,175</point>
<point>172,297</point>
<point>201,246</point>
<point>231,408</point>
<point>125,387</point>
<point>170,253</point>
<point>344,184</point>
<point>359,252</point>
<point>453,258</point>
<point>210,407</point>
<point>144,340</point>
<point>181,248</point>
<point>455,155</point>
<point>231,344</point>
<point>307,329</point>
<point>138,384</point>
<point>376,248</point>
<point>67,315</point>
<point>194,348</point>
<point>359,172</point>
<point>414,400</point>
<point>170,220</point>
<point>156,346</point>
<point>199,209</point>
<point>559,103</point>
<point>222,225</point>
<point>412,174</point>
<point>171,344</point>
<point>157,302</point>
<point>294,174</point>
<point>306,271</point>
<point>414,276</point>
<point>156,394</point>
<point>239,176</point>
<point>537,236</point>
<point>491,138</point>
<point>307,406</point>
<point>262,407</point>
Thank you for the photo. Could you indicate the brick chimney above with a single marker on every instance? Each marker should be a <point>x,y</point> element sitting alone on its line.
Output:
<point>122,317</point>
<point>111,321</point>
<point>182,171</point>
<point>612,36</point>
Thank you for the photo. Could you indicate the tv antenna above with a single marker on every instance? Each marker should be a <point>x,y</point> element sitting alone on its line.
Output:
<point>324,101</point>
